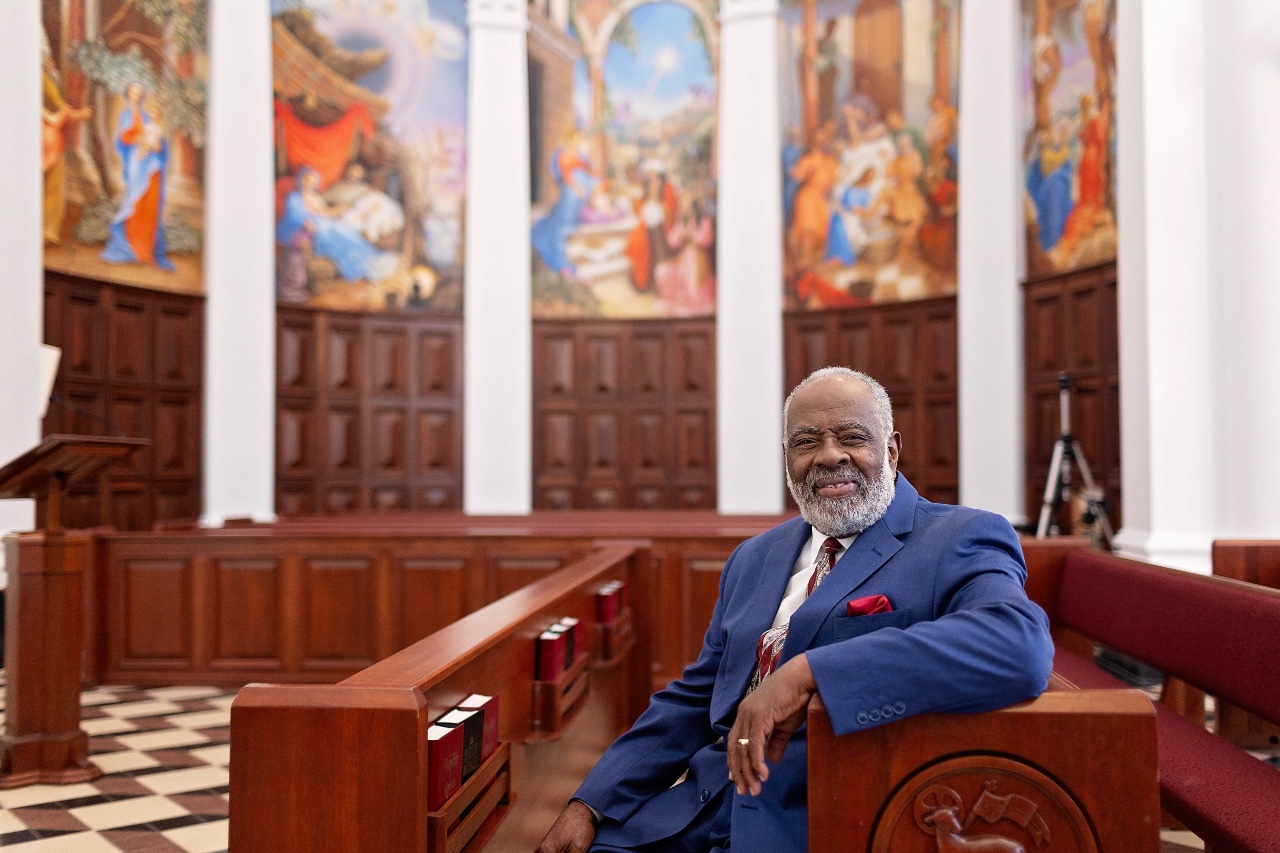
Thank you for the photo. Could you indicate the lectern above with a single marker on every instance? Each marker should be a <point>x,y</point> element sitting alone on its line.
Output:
<point>44,629</point>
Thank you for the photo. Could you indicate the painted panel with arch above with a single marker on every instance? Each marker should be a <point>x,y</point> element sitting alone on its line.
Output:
<point>623,143</point>
<point>869,105</point>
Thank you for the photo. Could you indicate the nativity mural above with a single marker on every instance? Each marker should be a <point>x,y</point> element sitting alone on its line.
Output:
<point>122,139</point>
<point>623,147</point>
<point>370,158</point>
<point>1067,88</point>
<point>869,95</point>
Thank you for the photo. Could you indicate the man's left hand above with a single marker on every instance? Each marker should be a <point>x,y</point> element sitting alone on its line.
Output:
<point>766,720</point>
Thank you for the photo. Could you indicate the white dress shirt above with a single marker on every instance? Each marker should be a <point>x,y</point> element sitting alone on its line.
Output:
<point>798,586</point>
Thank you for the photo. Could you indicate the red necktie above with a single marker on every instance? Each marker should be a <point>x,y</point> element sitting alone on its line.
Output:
<point>769,648</point>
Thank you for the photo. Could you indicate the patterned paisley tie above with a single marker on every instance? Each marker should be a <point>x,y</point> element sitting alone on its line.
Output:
<point>769,649</point>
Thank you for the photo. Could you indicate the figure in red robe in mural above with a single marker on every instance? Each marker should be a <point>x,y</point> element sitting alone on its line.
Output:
<point>1091,176</point>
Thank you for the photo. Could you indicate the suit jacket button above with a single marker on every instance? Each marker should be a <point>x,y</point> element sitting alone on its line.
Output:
<point>899,708</point>
<point>875,714</point>
<point>887,711</point>
<point>863,718</point>
<point>706,795</point>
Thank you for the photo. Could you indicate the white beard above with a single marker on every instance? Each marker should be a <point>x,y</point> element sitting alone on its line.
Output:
<point>846,516</point>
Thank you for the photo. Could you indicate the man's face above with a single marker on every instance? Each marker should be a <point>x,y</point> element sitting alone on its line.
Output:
<point>840,463</point>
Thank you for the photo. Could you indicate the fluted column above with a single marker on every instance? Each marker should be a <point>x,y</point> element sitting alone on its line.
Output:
<point>749,366</point>
<point>239,266</point>
<point>498,331</point>
<point>989,304</point>
<point>20,247</point>
<point>1165,306</point>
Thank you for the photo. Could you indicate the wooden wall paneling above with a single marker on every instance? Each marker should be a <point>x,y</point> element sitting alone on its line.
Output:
<point>432,595</point>
<point>156,615</point>
<point>910,348</point>
<point>1071,325</point>
<point>339,603</point>
<point>368,411</point>
<point>246,603</point>
<point>624,414</point>
<point>132,365</point>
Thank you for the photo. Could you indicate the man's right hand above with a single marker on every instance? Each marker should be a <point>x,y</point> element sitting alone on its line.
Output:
<point>572,832</point>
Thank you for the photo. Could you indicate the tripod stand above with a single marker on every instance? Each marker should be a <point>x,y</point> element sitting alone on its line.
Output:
<point>1057,486</point>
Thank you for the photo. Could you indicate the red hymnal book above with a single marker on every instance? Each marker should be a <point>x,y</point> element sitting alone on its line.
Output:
<point>488,706</point>
<point>444,765</point>
<point>607,603</point>
<point>566,632</point>
<point>472,725</point>
<point>551,647</point>
<point>571,630</point>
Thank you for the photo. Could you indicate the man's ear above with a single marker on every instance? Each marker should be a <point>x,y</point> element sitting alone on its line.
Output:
<point>894,447</point>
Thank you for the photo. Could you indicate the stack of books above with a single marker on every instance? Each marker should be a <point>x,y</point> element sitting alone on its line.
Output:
<point>611,601</point>
<point>557,649</point>
<point>457,744</point>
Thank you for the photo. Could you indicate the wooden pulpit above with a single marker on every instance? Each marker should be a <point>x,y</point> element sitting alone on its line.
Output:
<point>43,742</point>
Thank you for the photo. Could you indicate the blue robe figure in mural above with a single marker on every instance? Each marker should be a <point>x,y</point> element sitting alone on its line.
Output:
<point>136,234</point>
<point>846,236</point>
<point>1049,185</point>
<point>571,170</point>
<point>790,156</point>
<point>308,216</point>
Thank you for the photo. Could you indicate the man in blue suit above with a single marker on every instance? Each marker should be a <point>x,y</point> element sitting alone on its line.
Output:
<point>881,602</point>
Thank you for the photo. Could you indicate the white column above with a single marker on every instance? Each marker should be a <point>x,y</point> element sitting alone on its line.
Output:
<point>239,266</point>
<point>749,371</point>
<point>20,247</point>
<point>1242,45</point>
<point>497,399</point>
<point>1165,310</point>
<point>989,304</point>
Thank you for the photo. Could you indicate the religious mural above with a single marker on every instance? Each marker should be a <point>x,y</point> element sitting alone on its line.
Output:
<point>370,159</point>
<point>122,140</point>
<point>623,144</point>
<point>869,165</point>
<point>1067,87</point>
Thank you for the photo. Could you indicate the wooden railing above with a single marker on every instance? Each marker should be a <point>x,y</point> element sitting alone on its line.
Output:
<point>344,767</point>
<point>317,600</point>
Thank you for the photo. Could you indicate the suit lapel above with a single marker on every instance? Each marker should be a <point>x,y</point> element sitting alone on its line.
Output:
<point>753,614</point>
<point>871,550</point>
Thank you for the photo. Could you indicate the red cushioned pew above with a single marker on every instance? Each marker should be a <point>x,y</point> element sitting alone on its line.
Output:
<point>1219,635</point>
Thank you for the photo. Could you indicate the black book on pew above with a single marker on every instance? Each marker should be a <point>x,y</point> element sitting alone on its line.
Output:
<point>472,723</point>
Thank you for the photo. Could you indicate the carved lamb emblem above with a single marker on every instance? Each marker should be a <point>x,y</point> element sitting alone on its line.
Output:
<point>939,811</point>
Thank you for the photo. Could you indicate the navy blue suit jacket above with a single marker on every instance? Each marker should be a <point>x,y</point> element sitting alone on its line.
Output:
<point>962,637</point>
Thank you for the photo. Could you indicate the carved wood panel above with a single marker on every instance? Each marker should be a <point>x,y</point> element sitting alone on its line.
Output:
<point>910,348</point>
<point>1070,325</point>
<point>132,364</point>
<point>624,414</point>
<point>368,411</point>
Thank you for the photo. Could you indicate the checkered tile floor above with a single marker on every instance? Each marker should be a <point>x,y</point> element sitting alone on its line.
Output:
<point>164,752</point>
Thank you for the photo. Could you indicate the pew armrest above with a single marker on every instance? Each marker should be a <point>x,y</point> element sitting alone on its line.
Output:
<point>1034,773</point>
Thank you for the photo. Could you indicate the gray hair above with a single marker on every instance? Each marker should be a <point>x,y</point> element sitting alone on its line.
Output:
<point>884,407</point>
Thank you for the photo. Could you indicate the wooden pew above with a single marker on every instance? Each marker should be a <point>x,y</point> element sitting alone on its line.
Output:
<point>1072,772</point>
<point>342,767</point>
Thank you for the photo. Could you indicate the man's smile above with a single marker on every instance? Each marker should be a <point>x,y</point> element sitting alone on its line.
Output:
<point>836,487</point>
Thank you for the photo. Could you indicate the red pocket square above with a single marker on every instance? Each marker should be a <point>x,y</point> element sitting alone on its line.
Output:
<point>867,606</point>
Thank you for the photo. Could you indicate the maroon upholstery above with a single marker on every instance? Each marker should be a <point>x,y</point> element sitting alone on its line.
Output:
<point>1222,636</point>
<point>1223,794</point>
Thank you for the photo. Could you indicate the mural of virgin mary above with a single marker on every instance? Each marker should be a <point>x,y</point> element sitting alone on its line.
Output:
<point>137,230</point>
